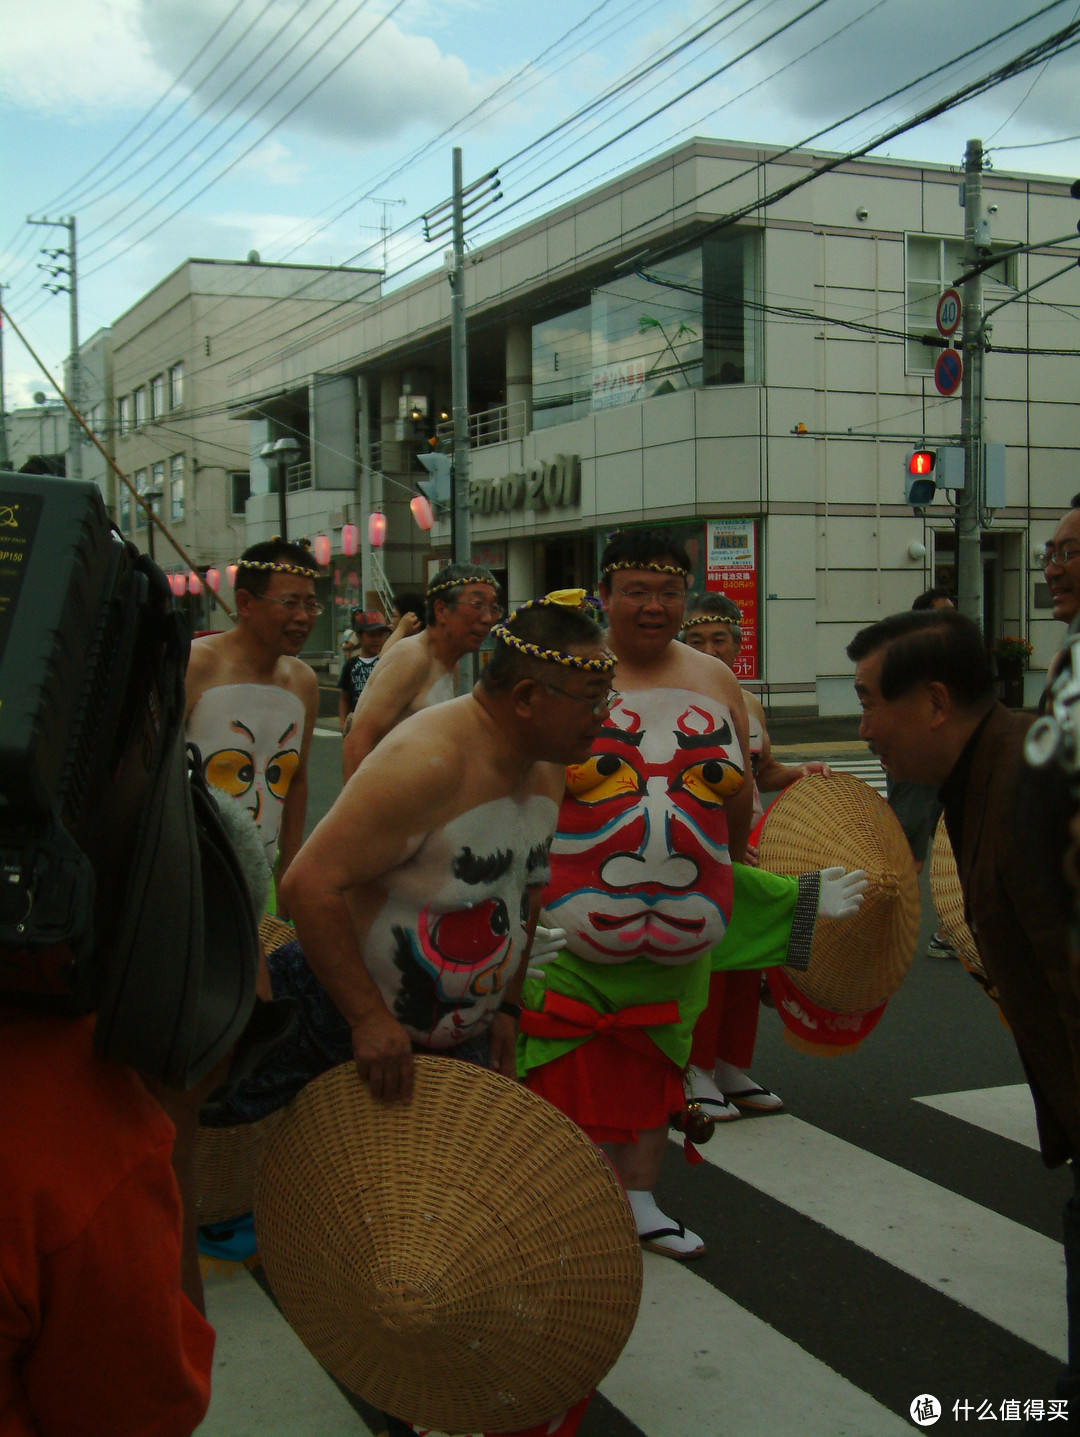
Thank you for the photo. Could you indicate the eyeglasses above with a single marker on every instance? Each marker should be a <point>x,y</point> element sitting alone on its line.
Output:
<point>1061,556</point>
<point>294,605</point>
<point>486,611</point>
<point>597,706</point>
<point>670,598</point>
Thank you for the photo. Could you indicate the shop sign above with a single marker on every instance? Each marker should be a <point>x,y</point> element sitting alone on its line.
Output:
<point>554,485</point>
<point>731,569</point>
<point>614,384</point>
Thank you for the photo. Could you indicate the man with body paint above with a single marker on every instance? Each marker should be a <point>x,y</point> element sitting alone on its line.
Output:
<point>415,896</point>
<point>252,703</point>
<point>461,606</point>
<point>642,884</point>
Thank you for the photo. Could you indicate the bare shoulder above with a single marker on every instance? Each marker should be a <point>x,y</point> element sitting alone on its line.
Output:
<point>433,744</point>
<point>548,780</point>
<point>753,706</point>
<point>207,668</point>
<point>703,674</point>
<point>300,679</point>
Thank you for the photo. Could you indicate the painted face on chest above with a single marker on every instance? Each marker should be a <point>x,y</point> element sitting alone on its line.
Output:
<point>640,863</point>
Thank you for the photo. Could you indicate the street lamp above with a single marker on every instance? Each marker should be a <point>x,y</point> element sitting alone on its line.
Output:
<point>280,455</point>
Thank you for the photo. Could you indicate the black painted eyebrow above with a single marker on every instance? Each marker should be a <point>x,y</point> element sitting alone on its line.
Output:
<point>704,740</point>
<point>620,735</point>
<point>473,867</point>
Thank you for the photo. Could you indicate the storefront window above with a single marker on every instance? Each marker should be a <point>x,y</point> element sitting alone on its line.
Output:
<point>692,322</point>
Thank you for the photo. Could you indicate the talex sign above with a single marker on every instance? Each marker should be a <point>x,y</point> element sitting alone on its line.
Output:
<point>554,485</point>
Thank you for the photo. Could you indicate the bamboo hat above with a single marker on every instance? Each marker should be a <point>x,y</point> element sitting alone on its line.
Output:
<point>467,1263</point>
<point>858,963</point>
<point>948,899</point>
<point>227,1159</point>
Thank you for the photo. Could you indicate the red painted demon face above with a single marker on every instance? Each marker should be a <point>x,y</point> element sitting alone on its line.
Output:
<point>640,863</point>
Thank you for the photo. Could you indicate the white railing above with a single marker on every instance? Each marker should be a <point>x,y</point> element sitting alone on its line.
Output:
<point>491,426</point>
<point>380,583</point>
<point>297,477</point>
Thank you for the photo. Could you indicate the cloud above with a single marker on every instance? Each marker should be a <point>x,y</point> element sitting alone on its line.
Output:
<point>273,163</point>
<point>352,79</point>
<point>65,56</point>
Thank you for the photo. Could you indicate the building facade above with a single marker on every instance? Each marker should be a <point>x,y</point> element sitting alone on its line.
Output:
<point>668,350</point>
<point>172,355</point>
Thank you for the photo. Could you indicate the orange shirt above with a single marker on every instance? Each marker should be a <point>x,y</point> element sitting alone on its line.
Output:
<point>96,1337</point>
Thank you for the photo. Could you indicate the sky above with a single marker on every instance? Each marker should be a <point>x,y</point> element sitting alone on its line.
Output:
<point>300,128</point>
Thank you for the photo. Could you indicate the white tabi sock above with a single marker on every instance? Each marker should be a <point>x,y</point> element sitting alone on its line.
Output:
<point>648,1218</point>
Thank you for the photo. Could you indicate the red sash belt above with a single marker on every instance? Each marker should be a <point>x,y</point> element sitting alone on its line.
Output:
<point>569,1018</point>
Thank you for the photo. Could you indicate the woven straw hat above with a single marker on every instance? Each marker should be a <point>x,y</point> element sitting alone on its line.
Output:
<point>227,1159</point>
<point>467,1263</point>
<point>859,962</point>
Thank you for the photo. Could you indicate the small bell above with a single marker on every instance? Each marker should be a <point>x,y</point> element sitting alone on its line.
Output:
<point>694,1123</point>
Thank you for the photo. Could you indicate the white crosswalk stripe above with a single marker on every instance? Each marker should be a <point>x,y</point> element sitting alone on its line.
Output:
<point>868,769</point>
<point>698,1362</point>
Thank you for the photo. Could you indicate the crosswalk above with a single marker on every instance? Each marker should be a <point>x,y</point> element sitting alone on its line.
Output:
<point>822,1254</point>
<point>868,769</point>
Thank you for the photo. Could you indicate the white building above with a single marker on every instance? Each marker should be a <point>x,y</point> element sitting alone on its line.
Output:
<point>633,360</point>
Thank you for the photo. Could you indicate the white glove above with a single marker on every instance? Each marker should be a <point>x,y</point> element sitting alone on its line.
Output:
<point>841,892</point>
<point>546,943</point>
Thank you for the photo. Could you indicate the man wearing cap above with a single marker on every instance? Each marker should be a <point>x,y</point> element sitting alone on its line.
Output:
<point>371,629</point>
<point>461,606</point>
<point>414,897</point>
<point>924,683</point>
<point>642,882</point>
<point>252,703</point>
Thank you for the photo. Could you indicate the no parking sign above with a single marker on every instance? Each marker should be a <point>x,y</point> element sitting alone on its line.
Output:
<point>948,372</point>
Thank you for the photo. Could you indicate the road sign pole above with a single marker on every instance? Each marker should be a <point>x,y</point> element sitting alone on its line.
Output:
<point>969,588</point>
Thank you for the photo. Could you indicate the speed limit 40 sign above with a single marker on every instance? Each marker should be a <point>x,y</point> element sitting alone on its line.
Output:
<point>950,310</point>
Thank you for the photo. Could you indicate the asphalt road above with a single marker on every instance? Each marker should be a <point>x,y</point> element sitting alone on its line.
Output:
<point>893,1234</point>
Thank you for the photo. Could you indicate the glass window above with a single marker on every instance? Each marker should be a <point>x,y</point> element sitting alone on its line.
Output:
<point>123,414</point>
<point>176,386</point>
<point>176,488</point>
<point>693,322</point>
<point>239,492</point>
<point>140,397</point>
<point>125,509</point>
<point>932,264</point>
<point>157,396</point>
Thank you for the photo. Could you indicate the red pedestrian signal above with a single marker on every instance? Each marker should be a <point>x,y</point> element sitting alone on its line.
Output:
<point>921,463</point>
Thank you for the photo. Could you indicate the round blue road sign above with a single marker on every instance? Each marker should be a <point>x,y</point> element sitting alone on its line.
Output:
<point>948,371</point>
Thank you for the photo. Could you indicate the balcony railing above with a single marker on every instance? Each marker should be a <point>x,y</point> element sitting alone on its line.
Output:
<point>297,477</point>
<point>490,426</point>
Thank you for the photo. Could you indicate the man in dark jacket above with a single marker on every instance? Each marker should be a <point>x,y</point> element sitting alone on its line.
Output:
<point>927,694</point>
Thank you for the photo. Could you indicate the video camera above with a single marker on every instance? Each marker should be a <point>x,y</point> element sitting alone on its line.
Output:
<point>119,891</point>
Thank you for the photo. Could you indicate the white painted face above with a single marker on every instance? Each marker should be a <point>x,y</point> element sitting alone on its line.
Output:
<point>640,863</point>
<point>250,737</point>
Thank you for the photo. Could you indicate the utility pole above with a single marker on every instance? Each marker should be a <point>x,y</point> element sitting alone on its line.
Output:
<point>969,587</point>
<point>464,204</point>
<point>71,289</point>
<point>459,365</point>
<point>4,457</point>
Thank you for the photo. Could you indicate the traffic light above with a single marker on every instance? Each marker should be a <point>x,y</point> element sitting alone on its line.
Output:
<point>919,484</point>
<point>437,488</point>
<point>928,470</point>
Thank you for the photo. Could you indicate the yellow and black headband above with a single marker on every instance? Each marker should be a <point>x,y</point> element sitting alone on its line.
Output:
<point>674,569</point>
<point>562,598</point>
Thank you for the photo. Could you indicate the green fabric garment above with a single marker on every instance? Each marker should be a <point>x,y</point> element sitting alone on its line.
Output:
<point>757,937</point>
<point>762,908</point>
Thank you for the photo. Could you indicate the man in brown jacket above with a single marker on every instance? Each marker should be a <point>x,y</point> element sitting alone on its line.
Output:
<point>927,695</point>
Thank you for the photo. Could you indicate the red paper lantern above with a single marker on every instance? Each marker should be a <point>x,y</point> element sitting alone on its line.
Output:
<point>376,529</point>
<point>231,572</point>
<point>421,511</point>
<point>213,578</point>
<point>321,548</point>
<point>350,539</point>
<point>194,584</point>
<point>178,584</point>
<point>337,576</point>
<point>354,582</point>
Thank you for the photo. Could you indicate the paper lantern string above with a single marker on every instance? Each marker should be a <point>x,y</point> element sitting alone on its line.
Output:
<point>711,619</point>
<point>561,598</point>
<point>649,568</point>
